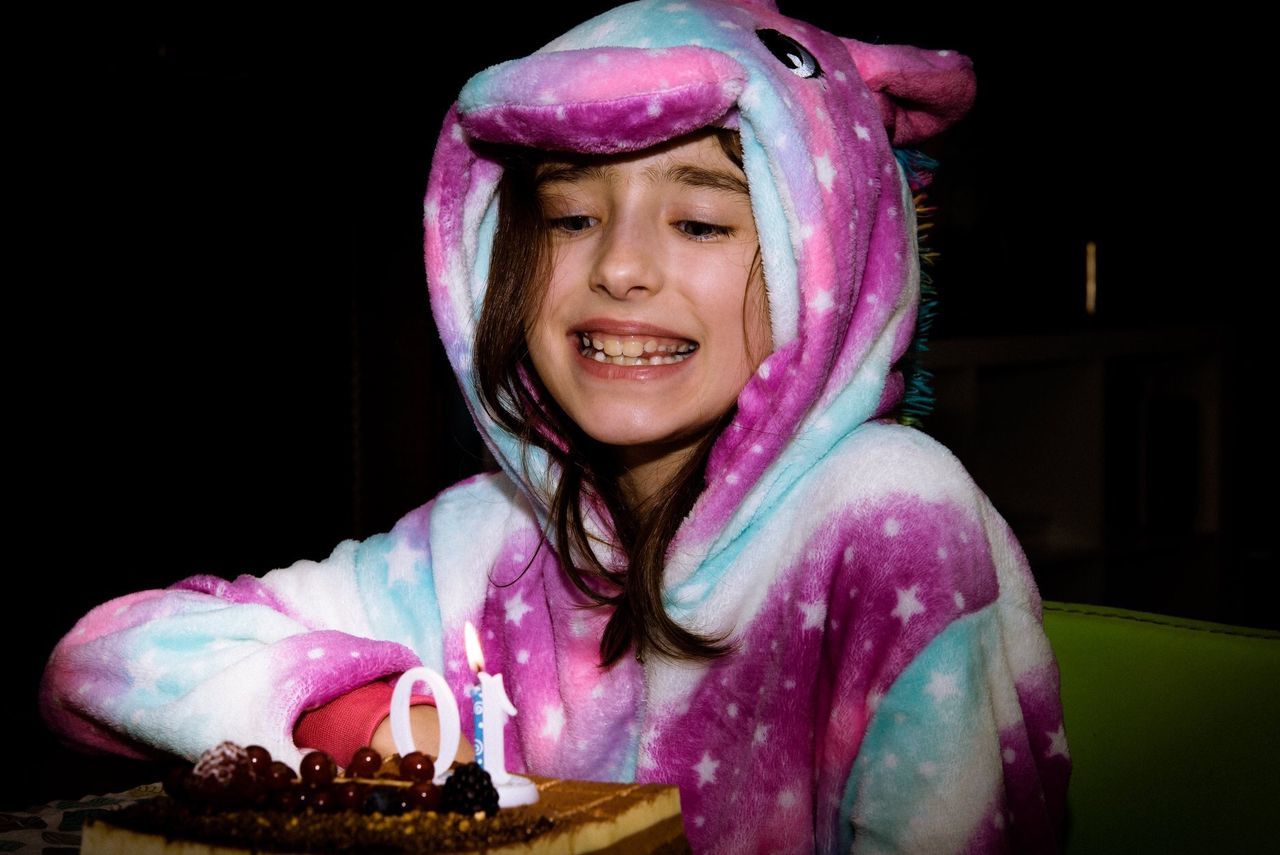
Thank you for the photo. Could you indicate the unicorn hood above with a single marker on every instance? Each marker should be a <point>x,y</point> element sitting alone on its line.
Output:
<point>818,116</point>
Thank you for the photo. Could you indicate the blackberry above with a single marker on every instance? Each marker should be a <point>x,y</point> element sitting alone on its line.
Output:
<point>469,790</point>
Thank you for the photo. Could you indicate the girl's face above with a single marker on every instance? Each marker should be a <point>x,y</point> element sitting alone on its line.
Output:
<point>655,316</point>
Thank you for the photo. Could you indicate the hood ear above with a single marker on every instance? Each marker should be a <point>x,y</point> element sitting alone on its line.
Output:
<point>920,92</point>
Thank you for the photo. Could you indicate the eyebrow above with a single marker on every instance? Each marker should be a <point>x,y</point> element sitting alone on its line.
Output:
<point>682,173</point>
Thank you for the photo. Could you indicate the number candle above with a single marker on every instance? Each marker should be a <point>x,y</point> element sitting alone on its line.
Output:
<point>446,709</point>
<point>491,708</point>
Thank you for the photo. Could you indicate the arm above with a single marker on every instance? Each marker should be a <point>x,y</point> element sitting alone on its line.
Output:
<point>949,762</point>
<point>179,670</point>
<point>965,748</point>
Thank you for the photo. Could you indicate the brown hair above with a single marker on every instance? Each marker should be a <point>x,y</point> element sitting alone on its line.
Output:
<point>513,395</point>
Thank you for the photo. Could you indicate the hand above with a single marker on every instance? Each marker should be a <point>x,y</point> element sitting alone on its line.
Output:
<point>425,724</point>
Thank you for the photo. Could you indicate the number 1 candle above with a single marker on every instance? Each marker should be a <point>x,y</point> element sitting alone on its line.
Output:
<point>490,709</point>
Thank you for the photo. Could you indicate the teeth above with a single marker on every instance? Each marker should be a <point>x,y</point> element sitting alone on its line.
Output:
<point>633,351</point>
<point>655,359</point>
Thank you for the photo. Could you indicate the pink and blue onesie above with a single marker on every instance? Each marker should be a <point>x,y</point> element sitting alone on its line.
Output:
<point>891,687</point>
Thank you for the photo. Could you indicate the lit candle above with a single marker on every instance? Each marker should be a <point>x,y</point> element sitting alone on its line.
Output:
<point>490,712</point>
<point>446,710</point>
<point>491,706</point>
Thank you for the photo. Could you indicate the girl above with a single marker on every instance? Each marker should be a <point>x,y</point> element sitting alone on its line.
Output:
<point>672,257</point>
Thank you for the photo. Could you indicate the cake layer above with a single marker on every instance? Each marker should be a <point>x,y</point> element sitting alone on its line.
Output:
<point>570,817</point>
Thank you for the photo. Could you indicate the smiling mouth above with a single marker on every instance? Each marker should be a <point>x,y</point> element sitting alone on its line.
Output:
<point>634,349</point>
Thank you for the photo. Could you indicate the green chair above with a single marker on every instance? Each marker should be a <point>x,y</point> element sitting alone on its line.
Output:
<point>1174,732</point>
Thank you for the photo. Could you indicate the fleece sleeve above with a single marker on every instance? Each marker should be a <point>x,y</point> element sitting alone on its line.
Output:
<point>939,771</point>
<point>181,669</point>
<point>966,750</point>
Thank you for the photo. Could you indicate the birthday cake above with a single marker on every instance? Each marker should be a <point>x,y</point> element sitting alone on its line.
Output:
<point>237,800</point>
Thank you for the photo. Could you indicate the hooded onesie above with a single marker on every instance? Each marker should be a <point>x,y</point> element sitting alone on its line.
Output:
<point>891,687</point>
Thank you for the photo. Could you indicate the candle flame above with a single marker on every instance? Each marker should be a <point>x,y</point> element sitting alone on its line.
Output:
<point>475,657</point>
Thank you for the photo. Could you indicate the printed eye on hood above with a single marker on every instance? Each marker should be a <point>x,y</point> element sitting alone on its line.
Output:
<point>817,114</point>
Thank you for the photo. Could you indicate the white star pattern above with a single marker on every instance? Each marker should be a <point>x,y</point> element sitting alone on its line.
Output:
<point>942,686</point>
<point>848,555</point>
<point>786,799</point>
<point>597,692</point>
<point>761,734</point>
<point>1010,755</point>
<point>909,604</point>
<point>891,526</point>
<point>891,761</point>
<point>814,614</point>
<point>959,599</point>
<point>552,722</point>
<point>699,821</point>
<point>516,608</point>
<point>315,653</point>
<point>861,131</point>
<point>144,672</point>
<point>822,302</point>
<point>522,657</point>
<point>402,563</point>
<point>826,172</point>
<point>1058,743</point>
<point>706,769</point>
<point>731,710</point>
<point>942,553</point>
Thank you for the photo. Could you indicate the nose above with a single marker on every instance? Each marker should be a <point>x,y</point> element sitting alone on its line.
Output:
<point>626,265</point>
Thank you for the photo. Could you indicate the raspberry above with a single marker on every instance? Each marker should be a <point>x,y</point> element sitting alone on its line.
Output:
<point>222,777</point>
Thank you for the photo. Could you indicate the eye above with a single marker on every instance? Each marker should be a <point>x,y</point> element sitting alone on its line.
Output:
<point>791,53</point>
<point>575,223</point>
<point>702,231</point>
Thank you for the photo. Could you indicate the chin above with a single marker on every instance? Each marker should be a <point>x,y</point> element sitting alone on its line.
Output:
<point>638,437</point>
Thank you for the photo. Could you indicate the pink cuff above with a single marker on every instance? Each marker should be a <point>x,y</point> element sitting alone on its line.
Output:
<point>346,724</point>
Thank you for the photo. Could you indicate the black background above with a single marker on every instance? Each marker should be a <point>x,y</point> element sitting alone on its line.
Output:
<point>220,343</point>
